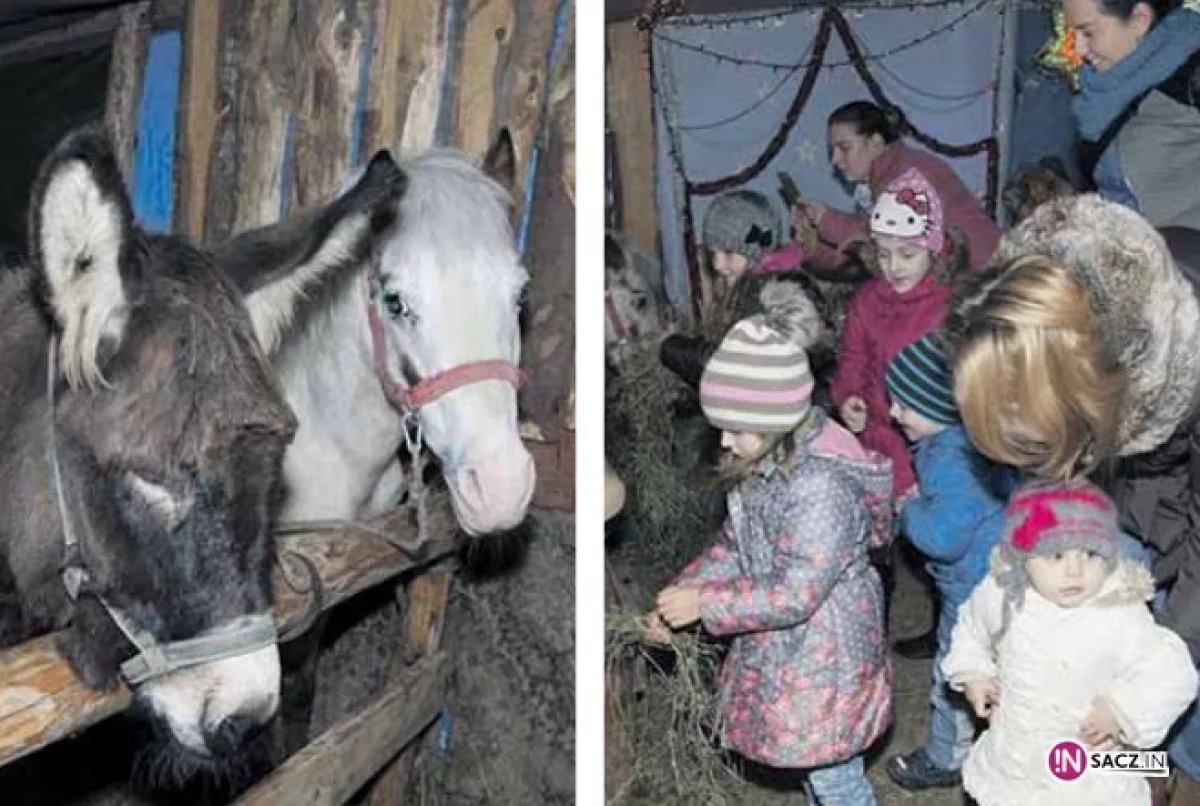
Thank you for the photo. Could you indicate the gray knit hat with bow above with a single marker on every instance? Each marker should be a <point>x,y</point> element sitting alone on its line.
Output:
<point>743,222</point>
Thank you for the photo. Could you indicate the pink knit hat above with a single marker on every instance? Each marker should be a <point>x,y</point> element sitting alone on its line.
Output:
<point>910,209</point>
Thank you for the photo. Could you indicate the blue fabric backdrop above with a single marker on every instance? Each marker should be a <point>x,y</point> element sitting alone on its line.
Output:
<point>726,113</point>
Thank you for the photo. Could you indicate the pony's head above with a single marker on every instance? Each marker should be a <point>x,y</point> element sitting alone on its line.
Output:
<point>635,307</point>
<point>450,289</point>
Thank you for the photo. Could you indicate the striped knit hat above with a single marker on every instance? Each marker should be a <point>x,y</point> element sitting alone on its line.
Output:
<point>1047,518</point>
<point>758,381</point>
<point>919,378</point>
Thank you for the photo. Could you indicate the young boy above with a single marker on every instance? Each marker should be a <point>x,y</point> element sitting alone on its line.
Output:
<point>954,519</point>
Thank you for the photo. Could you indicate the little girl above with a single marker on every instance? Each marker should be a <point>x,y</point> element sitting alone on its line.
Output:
<point>806,684</point>
<point>890,311</point>
<point>1057,643</point>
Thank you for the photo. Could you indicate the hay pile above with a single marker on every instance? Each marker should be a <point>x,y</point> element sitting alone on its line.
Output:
<point>674,508</point>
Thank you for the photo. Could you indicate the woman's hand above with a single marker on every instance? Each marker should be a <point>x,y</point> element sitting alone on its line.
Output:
<point>679,605</point>
<point>807,214</point>
<point>854,413</point>
<point>984,696</point>
<point>1099,729</point>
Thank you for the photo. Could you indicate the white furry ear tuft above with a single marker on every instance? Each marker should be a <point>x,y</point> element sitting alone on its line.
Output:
<point>79,234</point>
<point>169,510</point>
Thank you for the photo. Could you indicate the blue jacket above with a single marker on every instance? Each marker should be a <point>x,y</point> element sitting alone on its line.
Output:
<point>959,514</point>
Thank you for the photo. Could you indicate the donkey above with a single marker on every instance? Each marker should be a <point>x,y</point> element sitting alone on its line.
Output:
<point>142,435</point>
<point>635,306</point>
<point>421,338</point>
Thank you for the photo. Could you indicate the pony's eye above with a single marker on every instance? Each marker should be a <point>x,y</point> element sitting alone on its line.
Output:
<point>396,307</point>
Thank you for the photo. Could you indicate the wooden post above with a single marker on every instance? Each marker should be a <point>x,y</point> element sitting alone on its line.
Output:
<point>197,114</point>
<point>490,24</point>
<point>405,81</point>
<point>42,701</point>
<point>334,766</point>
<point>125,74</point>
<point>631,115</point>
<point>427,598</point>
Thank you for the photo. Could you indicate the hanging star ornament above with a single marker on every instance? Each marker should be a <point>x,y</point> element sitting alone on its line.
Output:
<point>1059,55</point>
<point>808,151</point>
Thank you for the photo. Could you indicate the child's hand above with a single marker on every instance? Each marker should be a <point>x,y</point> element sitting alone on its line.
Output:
<point>1099,729</point>
<point>854,413</point>
<point>809,213</point>
<point>657,631</point>
<point>984,696</point>
<point>679,605</point>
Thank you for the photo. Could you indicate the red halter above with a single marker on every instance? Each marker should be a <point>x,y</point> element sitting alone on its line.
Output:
<point>614,317</point>
<point>409,399</point>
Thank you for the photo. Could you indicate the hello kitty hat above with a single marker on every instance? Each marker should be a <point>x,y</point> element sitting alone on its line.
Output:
<point>910,209</point>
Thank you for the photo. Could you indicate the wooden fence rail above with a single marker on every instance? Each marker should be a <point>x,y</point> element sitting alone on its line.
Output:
<point>42,701</point>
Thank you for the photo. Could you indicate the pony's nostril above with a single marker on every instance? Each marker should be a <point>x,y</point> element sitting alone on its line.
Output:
<point>232,732</point>
<point>472,486</point>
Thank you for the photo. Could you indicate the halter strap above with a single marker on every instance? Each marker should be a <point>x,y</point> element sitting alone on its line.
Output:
<point>239,636</point>
<point>614,317</point>
<point>410,399</point>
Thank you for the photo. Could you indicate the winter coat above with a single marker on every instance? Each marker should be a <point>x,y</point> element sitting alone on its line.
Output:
<point>879,323</point>
<point>1050,663</point>
<point>807,680</point>
<point>959,514</point>
<point>963,211</point>
<point>1149,321</point>
<point>1152,162</point>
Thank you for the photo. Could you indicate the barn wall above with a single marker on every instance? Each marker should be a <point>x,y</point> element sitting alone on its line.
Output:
<point>280,103</point>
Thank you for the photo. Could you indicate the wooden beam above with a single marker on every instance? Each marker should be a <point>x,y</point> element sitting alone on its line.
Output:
<point>336,765</point>
<point>41,700</point>
<point>631,116</point>
<point>489,27</point>
<point>197,114</point>
<point>125,71</point>
<point>427,598</point>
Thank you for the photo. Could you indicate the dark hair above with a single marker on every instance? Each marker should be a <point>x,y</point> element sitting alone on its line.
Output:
<point>869,118</point>
<point>1123,9</point>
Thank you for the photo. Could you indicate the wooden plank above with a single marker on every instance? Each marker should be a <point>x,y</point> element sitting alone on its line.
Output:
<point>427,598</point>
<point>332,35</point>
<point>42,701</point>
<point>488,29</point>
<point>522,84</point>
<point>334,766</point>
<point>405,79</point>
<point>125,73</point>
<point>631,117</point>
<point>197,114</point>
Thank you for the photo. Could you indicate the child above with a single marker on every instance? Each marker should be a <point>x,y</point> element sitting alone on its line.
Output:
<point>806,684</point>
<point>1057,643</point>
<point>892,310</point>
<point>954,519</point>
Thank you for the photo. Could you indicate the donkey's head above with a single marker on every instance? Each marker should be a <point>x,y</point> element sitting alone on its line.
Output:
<point>170,432</point>
<point>451,284</point>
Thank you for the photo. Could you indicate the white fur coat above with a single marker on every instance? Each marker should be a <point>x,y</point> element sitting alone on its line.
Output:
<point>1050,664</point>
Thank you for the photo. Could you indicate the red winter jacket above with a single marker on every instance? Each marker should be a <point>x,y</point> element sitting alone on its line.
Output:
<point>963,211</point>
<point>879,323</point>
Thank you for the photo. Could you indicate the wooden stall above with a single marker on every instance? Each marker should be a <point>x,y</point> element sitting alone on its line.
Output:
<point>229,114</point>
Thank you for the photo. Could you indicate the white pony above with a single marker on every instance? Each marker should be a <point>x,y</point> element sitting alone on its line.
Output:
<point>443,286</point>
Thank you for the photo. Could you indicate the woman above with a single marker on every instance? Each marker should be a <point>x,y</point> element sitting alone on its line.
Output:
<point>1075,353</point>
<point>1136,110</point>
<point>866,147</point>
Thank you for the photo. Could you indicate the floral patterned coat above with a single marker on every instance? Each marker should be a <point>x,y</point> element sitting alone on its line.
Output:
<point>807,680</point>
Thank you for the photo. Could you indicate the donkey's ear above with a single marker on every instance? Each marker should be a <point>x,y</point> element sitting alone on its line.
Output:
<point>80,234</point>
<point>500,162</point>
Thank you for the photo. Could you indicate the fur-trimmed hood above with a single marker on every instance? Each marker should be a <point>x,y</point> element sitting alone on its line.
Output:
<point>1129,583</point>
<point>1149,318</point>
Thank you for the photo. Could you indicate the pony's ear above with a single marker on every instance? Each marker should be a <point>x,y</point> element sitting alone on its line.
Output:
<point>80,236</point>
<point>500,162</point>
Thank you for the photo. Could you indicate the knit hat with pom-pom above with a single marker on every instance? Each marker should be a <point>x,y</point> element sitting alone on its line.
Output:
<point>1043,519</point>
<point>743,222</point>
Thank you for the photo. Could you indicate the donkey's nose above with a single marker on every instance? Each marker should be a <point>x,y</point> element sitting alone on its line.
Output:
<point>231,734</point>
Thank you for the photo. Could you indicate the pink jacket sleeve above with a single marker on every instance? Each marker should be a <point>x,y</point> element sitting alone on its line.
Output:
<point>783,259</point>
<point>837,229</point>
<point>852,357</point>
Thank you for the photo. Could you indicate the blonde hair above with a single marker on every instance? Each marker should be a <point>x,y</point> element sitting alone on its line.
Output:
<point>1034,385</point>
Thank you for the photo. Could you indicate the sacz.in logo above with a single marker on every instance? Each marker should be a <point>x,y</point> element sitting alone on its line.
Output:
<point>1069,760</point>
